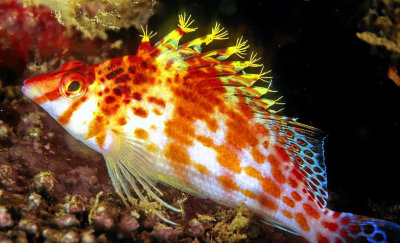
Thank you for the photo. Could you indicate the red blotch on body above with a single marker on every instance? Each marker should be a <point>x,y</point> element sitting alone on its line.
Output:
<point>336,215</point>
<point>262,130</point>
<point>292,182</point>
<point>266,144</point>
<point>137,96</point>
<point>109,99</point>
<point>139,111</point>
<point>156,101</point>
<point>322,239</point>
<point>330,225</point>
<point>282,153</point>
<point>338,240</point>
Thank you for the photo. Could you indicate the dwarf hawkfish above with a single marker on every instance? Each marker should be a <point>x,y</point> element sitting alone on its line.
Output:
<point>198,122</point>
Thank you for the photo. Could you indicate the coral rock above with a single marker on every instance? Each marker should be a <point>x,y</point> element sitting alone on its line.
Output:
<point>129,222</point>
<point>102,216</point>
<point>165,233</point>
<point>151,221</point>
<point>5,218</point>
<point>195,228</point>
<point>34,201</point>
<point>44,182</point>
<point>73,205</point>
<point>67,220</point>
<point>28,225</point>
<point>88,237</point>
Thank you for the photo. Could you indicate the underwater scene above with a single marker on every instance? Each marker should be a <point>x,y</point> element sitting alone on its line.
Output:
<point>199,121</point>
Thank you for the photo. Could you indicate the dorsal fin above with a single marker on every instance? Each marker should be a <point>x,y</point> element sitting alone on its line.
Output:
<point>241,88</point>
<point>305,146</point>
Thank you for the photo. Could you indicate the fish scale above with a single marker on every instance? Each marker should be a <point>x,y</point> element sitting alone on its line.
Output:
<point>199,122</point>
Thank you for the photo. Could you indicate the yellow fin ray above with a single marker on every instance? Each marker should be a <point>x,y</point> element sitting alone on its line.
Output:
<point>224,53</point>
<point>181,187</point>
<point>171,41</point>
<point>217,33</point>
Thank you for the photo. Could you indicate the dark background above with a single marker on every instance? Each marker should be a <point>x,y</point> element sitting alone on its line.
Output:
<point>329,79</point>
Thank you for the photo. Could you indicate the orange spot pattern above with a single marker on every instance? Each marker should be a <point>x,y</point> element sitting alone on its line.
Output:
<point>267,202</point>
<point>302,221</point>
<point>288,202</point>
<point>271,187</point>
<point>282,153</point>
<point>180,130</point>
<point>276,170</point>
<point>311,211</point>
<point>253,172</point>
<point>240,134</point>
<point>257,156</point>
<point>228,183</point>
<point>141,133</point>
<point>177,154</point>
<point>249,194</point>
<point>227,158</point>
<point>66,116</point>
<point>201,168</point>
<point>287,214</point>
<point>100,139</point>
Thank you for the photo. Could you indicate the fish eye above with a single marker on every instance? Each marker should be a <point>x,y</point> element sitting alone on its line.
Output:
<point>72,86</point>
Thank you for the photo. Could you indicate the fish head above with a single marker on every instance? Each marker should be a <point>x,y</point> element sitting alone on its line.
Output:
<point>60,92</point>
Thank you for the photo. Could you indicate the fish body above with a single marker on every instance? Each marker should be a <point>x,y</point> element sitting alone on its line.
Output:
<point>198,122</point>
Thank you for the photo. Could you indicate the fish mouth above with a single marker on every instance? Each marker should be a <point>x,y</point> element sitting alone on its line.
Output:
<point>28,90</point>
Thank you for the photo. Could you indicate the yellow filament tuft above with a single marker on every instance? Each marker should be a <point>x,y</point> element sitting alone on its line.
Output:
<point>240,47</point>
<point>146,35</point>
<point>217,33</point>
<point>184,23</point>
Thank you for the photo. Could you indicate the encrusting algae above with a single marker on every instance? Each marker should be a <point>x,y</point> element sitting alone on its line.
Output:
<point>199,122</point>
<point>94,17</point>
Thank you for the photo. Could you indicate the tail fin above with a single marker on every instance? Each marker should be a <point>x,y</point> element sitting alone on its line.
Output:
<point>355,228</point>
